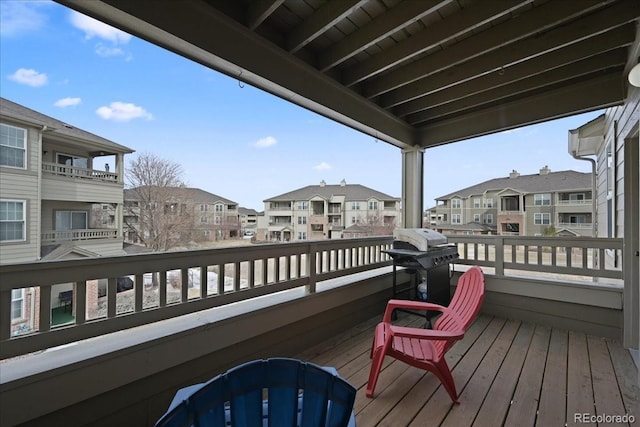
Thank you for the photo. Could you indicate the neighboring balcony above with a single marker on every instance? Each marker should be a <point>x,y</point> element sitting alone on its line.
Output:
<point>75,184</point>
<point>74,172</point>
<point>574,206</point>
<point>191,315</point>
<point>60,236</point>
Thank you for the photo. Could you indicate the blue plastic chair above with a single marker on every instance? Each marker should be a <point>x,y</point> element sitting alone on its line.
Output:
<point>272,392</point>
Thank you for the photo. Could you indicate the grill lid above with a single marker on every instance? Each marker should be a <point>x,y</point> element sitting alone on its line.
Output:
<point>422,239</point>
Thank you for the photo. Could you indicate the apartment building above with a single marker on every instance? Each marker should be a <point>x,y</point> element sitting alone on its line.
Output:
<point>180,213</point>
<point>546,203</point>
<point>248,221</point>
<point>328,212</point>
<point>57,200</point>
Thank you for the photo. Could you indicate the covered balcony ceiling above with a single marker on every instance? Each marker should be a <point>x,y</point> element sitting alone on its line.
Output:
<point>407,72</point>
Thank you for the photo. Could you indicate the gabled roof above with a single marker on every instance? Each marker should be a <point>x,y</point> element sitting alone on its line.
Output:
<point>10,109</point>
<point>351,192</point>
<point>536,183</point>
<point>195,195</point>
<point>247,211</point>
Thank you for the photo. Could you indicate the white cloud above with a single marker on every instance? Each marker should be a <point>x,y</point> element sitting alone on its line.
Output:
<point>20,17</point>
<point>265,142</point>
<point>94,28</point>
<point>67,102</point>
<point>106,51</point>
<point>29,77</point>
<point>123,112</point>
<point>322,166</point>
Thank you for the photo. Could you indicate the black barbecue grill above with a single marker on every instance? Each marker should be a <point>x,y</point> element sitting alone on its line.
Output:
<point>427,256</point>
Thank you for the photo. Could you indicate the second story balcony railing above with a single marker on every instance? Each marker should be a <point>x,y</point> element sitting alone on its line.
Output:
<point>573,258</point>
<point>78,173</point>
<point>75,235</point>
<point>580,225</point>
<point>167,285</point>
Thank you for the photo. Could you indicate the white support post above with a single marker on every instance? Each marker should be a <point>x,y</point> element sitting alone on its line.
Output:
<point>412,187</point>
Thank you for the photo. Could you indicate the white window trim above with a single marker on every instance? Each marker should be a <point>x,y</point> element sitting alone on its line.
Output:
<point>24,220</point>
<point>13,300</point>
<point>25,148</point>
<point>539,218</point>
<point>540,200</point>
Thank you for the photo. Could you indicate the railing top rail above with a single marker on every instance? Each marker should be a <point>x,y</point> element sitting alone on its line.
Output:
<point>60,271</point>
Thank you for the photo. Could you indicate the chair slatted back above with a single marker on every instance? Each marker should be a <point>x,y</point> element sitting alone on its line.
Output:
<point>464,306</point>
<point>276,392</point>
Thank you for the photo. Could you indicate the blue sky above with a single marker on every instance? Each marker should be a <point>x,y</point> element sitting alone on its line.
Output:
<point>232,140</point>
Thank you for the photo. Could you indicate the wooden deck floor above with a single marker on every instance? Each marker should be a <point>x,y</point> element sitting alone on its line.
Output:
<point>508,373</point>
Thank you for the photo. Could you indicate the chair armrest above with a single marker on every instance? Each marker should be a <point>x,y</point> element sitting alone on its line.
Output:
<point>403,331</point>
<point>415,305</point>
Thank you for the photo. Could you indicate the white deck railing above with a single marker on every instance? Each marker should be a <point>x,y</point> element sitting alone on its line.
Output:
<point>571,257</point>
<point>165,285</point>
<point>79,173</point>
<point>76,235</point>
<point>176,283</point>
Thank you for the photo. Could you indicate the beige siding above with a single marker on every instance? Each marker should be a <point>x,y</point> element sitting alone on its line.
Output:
<point>22,184</point>
<point>70,189</point>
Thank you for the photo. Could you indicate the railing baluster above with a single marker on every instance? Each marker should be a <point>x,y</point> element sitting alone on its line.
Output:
<point>236,276</point>
<point>137,289</point>
<point>220,279</point>
<point>112,292</point>
<point>251,273</point>
<point>204,282</point>
<point>163,289</point>
<point>80,302</point>
<point>45,308</point>
<point>5,315</point>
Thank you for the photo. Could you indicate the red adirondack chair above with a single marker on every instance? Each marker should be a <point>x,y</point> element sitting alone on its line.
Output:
<point>425,348</point>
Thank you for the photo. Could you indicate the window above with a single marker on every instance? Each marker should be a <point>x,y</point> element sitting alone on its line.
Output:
<point>373,205</point>
<point>203,208</point>
<point>353,220</point>
<point>13,146</point>
<point>302,220</point>
<point>71,160</point>
<point>17,300</point>
<point>488,203</point>
<point>476,202</point>
<point>543,199</point>
<point>302,235</point>
<point>355,206</point>
<point>576,197</point>
<point>206,233</point>
<point>455,219</point>
<point>71,220</point>
<point>203,219</point>
<point>542,218</point>
<point>488,218</point>
<point>217,220</point>
<point>303,206</point>
<point>476,217</point>
<point>12,221</point>
<point>219,207</point>
<point>455,204</point>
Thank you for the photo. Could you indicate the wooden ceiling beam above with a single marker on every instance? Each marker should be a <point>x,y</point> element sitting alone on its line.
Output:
<point>616,38</point>
<point>392,21</point>
<point>591,25</point>
<point>464,21</point>
<point>495,39</point>
<point>324,18</point>
<point>589,95</point>
<point>260,10</point>
<point>589,66</point>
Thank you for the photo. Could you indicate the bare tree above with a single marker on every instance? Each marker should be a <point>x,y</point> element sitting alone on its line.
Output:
<point>157,202</point>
